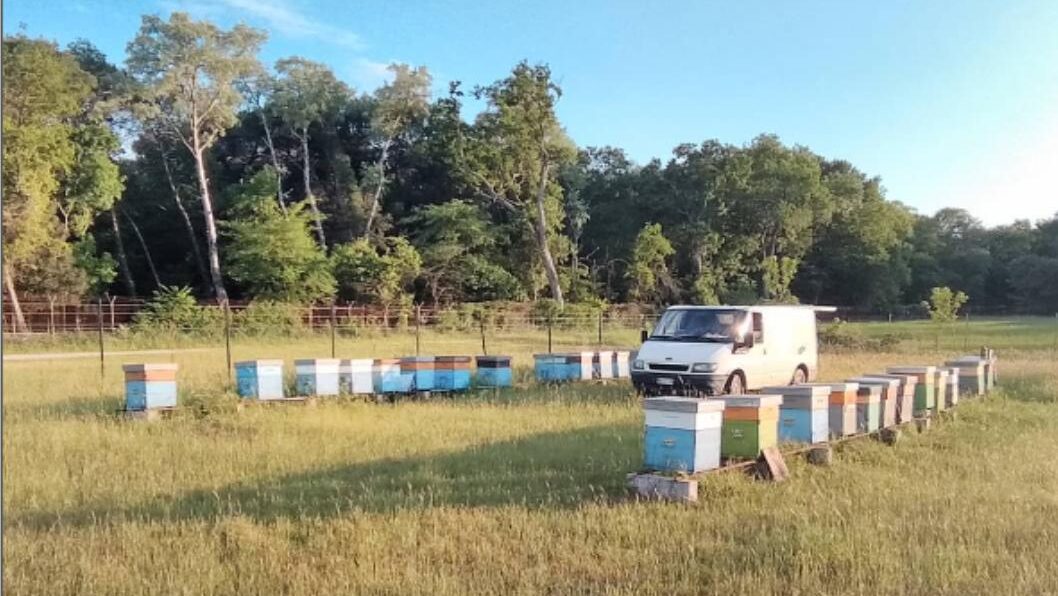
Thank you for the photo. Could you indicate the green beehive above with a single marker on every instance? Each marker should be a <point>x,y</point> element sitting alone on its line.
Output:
<point>751,424</point>
<point>925,388</point>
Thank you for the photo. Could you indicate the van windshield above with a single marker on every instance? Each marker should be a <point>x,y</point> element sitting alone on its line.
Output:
<point>699,325</point>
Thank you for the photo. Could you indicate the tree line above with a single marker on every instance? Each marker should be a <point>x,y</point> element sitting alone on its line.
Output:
<point>194,164</point>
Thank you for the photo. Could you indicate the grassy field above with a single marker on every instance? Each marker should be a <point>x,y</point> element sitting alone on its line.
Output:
<point>520,492</point>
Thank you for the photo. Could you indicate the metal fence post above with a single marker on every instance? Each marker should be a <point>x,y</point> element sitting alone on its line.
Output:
<point>600,329</point>
<point>481,324</point>
<point>99,328</point>
<point>333,326</point>
<point>418,319</point>
<point>549,336</point>
<point>227,338</point>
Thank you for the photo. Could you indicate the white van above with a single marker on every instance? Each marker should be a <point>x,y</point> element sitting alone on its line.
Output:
<point>719,350</point>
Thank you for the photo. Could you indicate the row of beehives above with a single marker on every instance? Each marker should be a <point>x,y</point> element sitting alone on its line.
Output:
<point>581,366</point>
<point>693,435</point>
<point>149,386</point>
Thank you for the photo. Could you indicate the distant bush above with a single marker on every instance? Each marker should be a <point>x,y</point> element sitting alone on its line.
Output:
<point>174,310</point>
<point>266,317</point>
<point>840,336</point>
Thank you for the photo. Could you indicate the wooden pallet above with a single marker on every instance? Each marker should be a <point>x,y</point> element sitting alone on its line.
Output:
<point>148,415</point>
<point>309,402</point>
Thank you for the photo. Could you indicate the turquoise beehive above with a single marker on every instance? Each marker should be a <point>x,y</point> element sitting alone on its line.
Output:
<point>682,434</point>
<point>317,376</point>
<point>259,379</point>
<point>803,414</point>
<point>150,386</point>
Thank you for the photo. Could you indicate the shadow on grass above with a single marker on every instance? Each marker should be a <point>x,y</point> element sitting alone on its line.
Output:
<point>551,470</point>
<point>83,407</point>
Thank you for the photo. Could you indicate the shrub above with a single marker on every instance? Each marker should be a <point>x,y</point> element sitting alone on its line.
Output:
<point>174,310</point>
<point>839,336</point>
<point>266,317</point>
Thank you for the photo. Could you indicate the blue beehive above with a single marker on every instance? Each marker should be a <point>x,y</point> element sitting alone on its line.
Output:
<point>417,373</point>
<point>318,376</point>
<point>386,377</point>
<point>682,434</point>
<point>355,376</point>
<point>804,412</point>
<point>494,371</point>
<point>452,373</point>
<point>259,379</point>
<point>551,368</point>
<point>150,386</point>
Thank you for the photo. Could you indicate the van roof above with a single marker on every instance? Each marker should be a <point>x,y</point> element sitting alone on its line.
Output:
<point>755,307</point>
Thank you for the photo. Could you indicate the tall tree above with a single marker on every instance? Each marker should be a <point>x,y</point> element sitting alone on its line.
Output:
<point>399,105</point>
<point>519,149</point>
<point>308,94</point>
<point>58,171</point>
<point>189,71</point>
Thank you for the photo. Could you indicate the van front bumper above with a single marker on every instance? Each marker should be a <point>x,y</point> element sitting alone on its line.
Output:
<point>661,383</point>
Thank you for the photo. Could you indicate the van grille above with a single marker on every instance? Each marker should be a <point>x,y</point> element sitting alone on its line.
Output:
<point>669,367</point>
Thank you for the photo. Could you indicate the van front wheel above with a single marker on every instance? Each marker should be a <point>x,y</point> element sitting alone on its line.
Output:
<point>735,385</point>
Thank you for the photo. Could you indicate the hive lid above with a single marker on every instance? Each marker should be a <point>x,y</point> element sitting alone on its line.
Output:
<point>682,404</point>
<point>878,381</point>
<point>908,378</point>
<point>967,361</point>
<point>750,401</point>
<point>917,369</point>
<point>317,362</point>
<point>150,367</point>
<point>452,359</point>
<point>806,389</point>
<point>417,359</point>
<point>246,363</point>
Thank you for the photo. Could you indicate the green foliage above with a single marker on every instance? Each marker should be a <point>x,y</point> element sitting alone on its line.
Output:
<point>778,273</point>
<point>100,269</point>
<point>648,269</point>
<point>944,304</point>
<point>266,317</point>
<point>173,310</point>
<point>272,252</point>
<point>382,276</point>
<point>842,337</point>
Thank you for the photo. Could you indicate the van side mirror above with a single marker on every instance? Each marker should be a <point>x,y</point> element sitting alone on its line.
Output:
<point>643,335</point>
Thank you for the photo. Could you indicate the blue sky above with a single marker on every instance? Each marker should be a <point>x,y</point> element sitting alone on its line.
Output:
<point>951,103</point>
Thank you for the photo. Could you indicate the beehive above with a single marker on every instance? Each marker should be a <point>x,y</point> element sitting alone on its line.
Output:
<point>889,397</point>
<point>417,373</point>
<point>951,387</point>
<point>602,364</point>
<point>803,414</point>
<point>971,375</point>
<point>317,376</point>
<point>259,379</point>
<point>682,434</point>
<point>841,408</point>
<point>386,377</point>
<point>868,406</point>
<point>150,386</point>
<point>905,404</point>
<point>580,365</point>
<point>940,382</point>
<point>620,364</point>
<point>751,424</point>
<point>355,376</point>
<point>925,390</point>
<point>494,371</point>
<point>452,373</point>
<point>551,368</point>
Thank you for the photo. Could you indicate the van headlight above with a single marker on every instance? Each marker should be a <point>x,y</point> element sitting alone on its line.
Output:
<point>703,367</point>
<point>638,364</point>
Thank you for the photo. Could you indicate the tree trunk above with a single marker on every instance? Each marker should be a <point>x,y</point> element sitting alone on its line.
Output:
<point>541,238</point>
<point>18,319</point>
<point>378,189</point>
<point>123,260</point>
<point>211,226</point>
<point>146,251</point>
<point>275,160</point>
<point>307,179</point>
<point>196,252</point>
